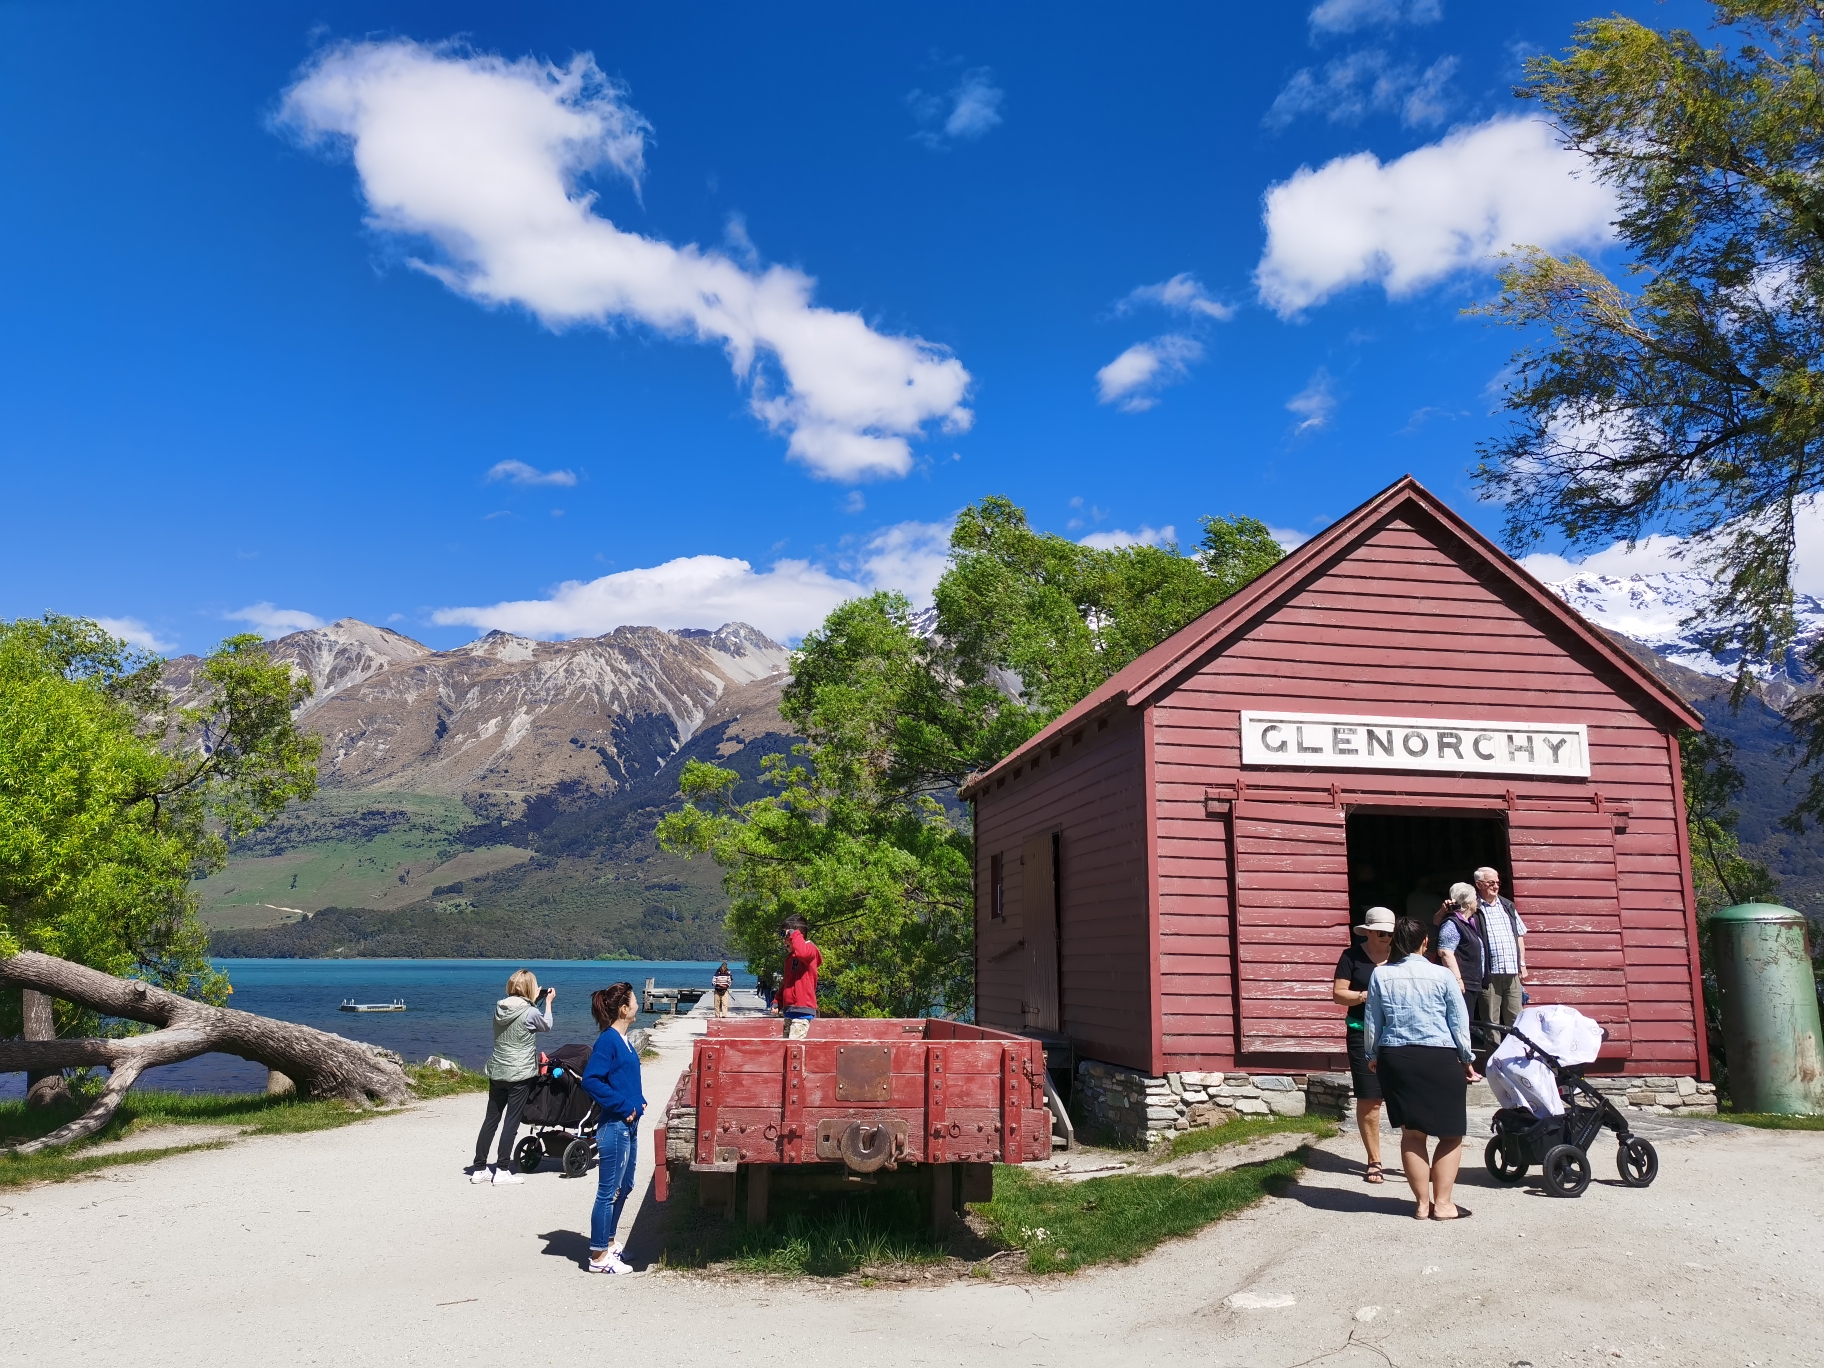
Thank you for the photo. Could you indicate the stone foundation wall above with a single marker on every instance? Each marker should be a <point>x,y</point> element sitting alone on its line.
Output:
<point>1132,1108</point>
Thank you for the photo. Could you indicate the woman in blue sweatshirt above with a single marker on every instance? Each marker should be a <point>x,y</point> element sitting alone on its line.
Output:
<point>612,1078</point>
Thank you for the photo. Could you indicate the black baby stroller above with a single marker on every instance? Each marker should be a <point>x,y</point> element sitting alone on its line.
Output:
<point>1560,1144</point>
<point>560,1115</point>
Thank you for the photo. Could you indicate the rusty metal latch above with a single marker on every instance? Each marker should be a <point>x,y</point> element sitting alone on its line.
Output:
<point>862,1146</point>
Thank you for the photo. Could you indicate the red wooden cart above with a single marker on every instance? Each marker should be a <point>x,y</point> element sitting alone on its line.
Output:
<point>854,1104</point>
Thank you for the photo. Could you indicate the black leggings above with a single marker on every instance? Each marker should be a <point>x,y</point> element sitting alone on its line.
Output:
<point>502,1097</point>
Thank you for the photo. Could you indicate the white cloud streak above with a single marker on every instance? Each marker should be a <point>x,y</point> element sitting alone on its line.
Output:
<point>1118,537</point>
<point>270,621</point>
<point>969,109</point>
<point>1182,294</point>
<point>1346,16</point>
<point>1441,209</point>
<point>1132,380</point>
<point>136,633</point>
<point>519,473</point>
<point>1313,405</point>
<point>785,601</point>
<point>481,158</point>
<point>1360,83</point>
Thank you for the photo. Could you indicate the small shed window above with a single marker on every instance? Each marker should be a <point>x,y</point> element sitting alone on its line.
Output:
<point>997,902</point>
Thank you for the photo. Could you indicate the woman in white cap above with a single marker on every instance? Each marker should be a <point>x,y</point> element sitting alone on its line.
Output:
<point>1350,990</point>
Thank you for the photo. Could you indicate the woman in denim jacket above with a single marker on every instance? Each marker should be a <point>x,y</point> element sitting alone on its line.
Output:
<point>1416,1037</point>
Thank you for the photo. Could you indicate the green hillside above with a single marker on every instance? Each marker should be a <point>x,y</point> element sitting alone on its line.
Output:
<point>568,876</point>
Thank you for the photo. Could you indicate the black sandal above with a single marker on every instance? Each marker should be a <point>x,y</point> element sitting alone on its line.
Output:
<point>1375,1173</point>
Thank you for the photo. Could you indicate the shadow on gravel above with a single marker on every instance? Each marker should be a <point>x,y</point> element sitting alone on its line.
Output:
<point>566,1244</point>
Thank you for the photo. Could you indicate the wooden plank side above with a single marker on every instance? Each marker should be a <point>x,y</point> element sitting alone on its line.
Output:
<point>1288,935</point>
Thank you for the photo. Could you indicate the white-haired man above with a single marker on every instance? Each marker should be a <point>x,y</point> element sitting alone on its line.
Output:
<point>1506,949</point>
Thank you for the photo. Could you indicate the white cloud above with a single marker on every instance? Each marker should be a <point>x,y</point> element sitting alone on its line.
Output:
<point>1183,293</point>
<point>1440,209</point>
<point>1649,555</point>
<point>522,474</point>
<point>1346,16</point>
<point>963,113</point>
<point>136,633</point>
<point>1146,536</point>
<point>270,621</point>
<point>1313,404</point>
<point>1360,83</point>
<point>1133,378</point>
<point>481,158</point>
<point>785,601</point>
<point>909,557</point>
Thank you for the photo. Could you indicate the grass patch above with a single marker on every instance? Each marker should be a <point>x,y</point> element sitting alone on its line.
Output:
<point>428,1082</point>
<point>1244,1128</point>
<point>1067,1226</point>
<point>57,1167</point>
<point>1772,1120</point>
<point>808,1234</point>
<point>141,1109</point>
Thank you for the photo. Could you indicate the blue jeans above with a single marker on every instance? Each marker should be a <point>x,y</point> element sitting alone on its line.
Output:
<point>618,1145</point>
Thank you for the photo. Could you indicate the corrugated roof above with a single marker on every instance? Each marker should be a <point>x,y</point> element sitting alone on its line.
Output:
<point>1153,673</point>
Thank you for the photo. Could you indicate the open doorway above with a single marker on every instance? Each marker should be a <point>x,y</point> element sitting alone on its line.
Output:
<point>1409,861</point>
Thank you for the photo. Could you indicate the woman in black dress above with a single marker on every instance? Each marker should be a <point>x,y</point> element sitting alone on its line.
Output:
<point>1415,1028</point>
<point>1350,990</point>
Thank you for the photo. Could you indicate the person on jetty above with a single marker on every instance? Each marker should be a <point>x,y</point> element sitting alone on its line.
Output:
<point>612,1078</point>
<point>1415,1029</point>
<point>719,986</point>
<point>798,994</point>
<point>512,1066</point>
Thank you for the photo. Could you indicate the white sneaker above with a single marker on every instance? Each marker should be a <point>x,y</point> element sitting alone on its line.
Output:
<point>503,1176</point>
<point>484,1174</point>
<point>611,1264</point>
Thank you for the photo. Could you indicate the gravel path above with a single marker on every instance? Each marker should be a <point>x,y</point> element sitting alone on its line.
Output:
<point>366,1245</point>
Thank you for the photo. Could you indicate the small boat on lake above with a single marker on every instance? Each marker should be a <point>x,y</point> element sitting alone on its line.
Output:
<point>396,1005</point>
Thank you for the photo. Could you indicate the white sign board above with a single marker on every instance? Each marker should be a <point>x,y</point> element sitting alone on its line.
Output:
<point>1320,741</point>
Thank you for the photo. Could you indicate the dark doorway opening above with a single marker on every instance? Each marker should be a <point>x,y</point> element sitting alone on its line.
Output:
<point>1408,862</point>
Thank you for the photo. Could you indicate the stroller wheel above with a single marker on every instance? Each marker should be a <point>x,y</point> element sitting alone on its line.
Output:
<point>577,1155</point>
<point>1503,1160</point>
<point>1638,1161</point>
<point>1567,1171</point>
<point>529,1154</point>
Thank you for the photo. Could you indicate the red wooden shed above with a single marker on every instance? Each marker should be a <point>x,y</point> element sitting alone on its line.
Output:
<point>1166,874</point>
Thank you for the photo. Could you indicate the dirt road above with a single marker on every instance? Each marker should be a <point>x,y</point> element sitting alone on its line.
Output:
<point>366,1245</point>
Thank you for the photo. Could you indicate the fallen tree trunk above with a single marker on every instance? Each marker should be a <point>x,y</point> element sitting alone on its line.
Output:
<point>321,1064</point>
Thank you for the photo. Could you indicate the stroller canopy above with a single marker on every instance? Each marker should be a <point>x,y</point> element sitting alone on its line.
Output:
<point>1519,1080</point>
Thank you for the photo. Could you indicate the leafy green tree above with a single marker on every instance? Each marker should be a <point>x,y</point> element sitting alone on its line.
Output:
<point>114,796</point>
<point>863,836</point>
<point>1689,400</point>
<point>854,838</point>
<point>1059,617</point>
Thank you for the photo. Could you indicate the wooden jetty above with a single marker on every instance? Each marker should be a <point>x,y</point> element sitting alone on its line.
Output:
<point>657,1001</point>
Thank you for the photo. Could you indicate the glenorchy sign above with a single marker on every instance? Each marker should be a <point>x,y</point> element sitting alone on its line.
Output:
<point>1319,741</point>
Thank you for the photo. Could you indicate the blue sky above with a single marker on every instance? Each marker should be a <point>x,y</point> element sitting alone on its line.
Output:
<point>447,317</point>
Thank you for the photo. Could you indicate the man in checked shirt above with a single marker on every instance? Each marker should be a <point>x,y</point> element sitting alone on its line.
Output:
<point>1506,949</point>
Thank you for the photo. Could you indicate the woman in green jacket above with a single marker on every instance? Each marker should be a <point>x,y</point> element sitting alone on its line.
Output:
<point>511,1068</point>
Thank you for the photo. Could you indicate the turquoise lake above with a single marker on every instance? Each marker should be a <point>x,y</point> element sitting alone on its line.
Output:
<point>449,1007</point>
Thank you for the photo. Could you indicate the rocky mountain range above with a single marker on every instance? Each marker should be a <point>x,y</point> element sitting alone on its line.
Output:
<point>505,717</point>
<point>499,798</point>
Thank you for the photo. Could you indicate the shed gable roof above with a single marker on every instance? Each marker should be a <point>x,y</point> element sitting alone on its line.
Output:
<point>1161,669</point>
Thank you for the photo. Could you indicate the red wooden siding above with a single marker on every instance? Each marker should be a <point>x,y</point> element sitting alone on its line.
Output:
<point>1092,793</point>
<point>1565,860</point>
<point>1406,622</point>
<point>1292,905</point>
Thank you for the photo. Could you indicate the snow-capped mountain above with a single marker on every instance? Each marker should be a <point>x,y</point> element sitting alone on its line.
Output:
<point>1649,608</point>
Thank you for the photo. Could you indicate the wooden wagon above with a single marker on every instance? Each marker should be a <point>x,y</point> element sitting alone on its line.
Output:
<point>856,1104</point>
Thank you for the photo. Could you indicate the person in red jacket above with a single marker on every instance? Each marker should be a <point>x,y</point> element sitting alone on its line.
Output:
<point>798,993</point>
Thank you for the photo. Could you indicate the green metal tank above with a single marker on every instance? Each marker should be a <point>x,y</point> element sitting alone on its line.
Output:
<point>1770,1010</point>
